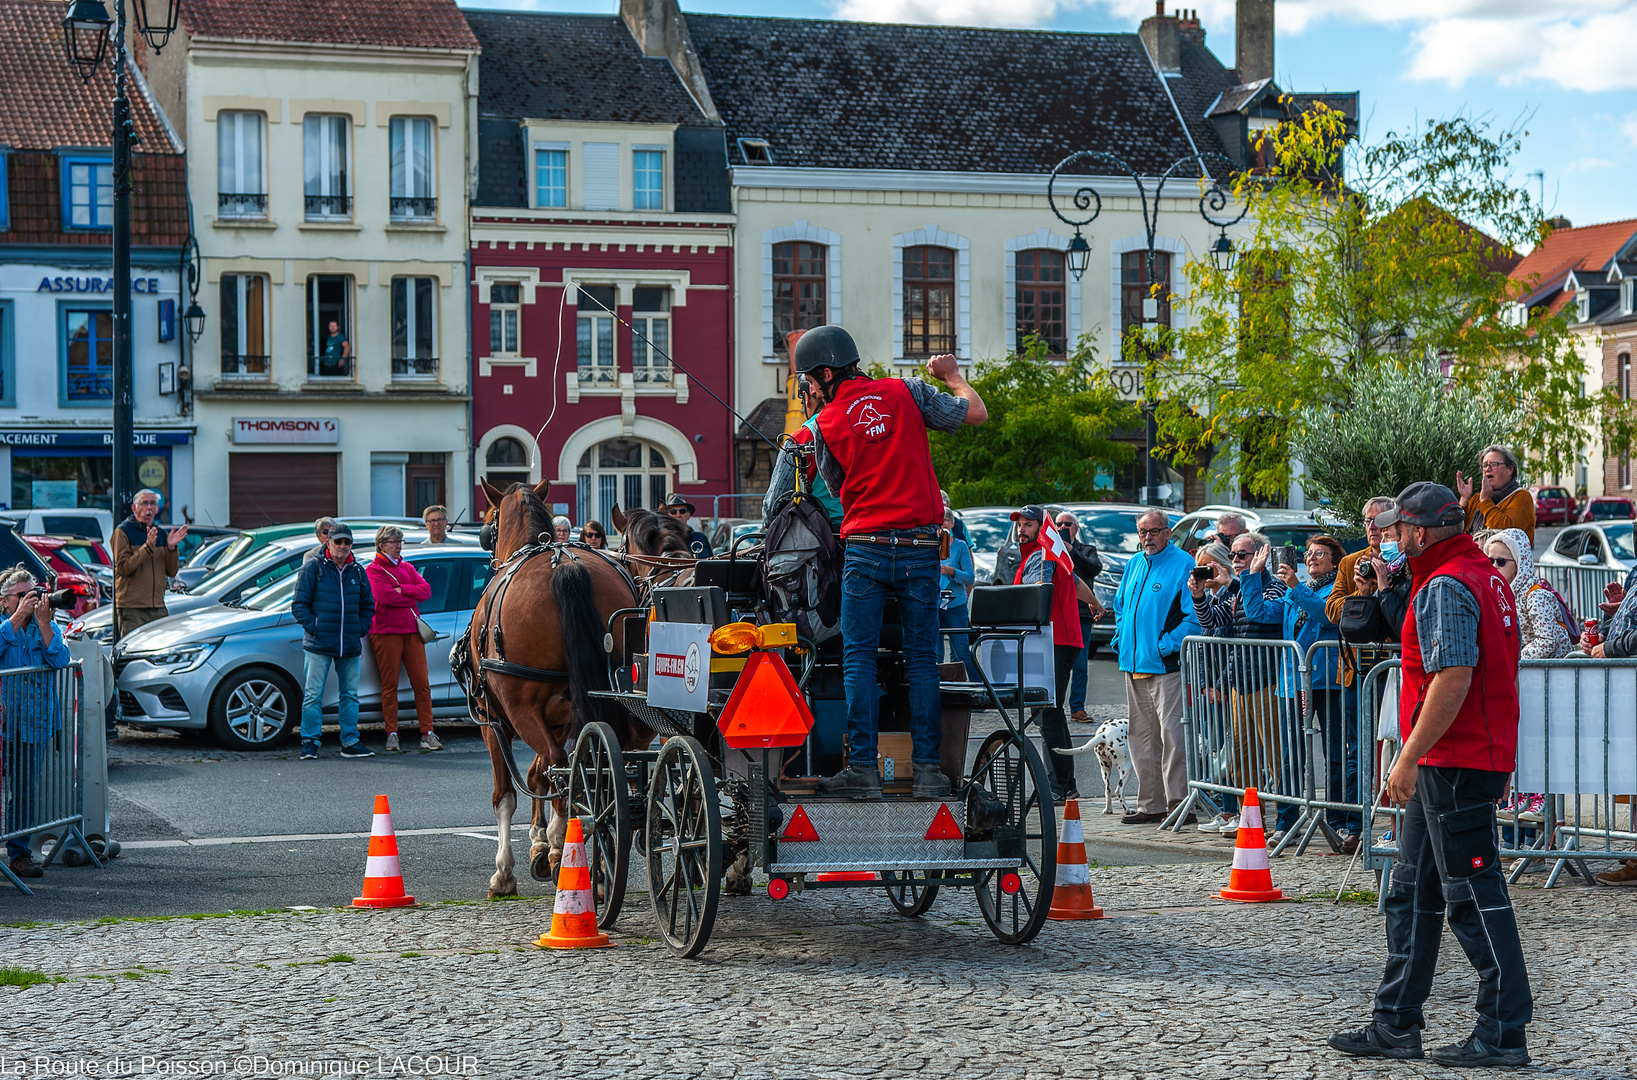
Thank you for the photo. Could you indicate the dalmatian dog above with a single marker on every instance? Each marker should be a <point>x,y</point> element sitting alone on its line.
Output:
<point>1109,744</point>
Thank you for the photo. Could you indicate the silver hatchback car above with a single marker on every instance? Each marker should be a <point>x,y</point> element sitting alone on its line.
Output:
<point>236,671</point>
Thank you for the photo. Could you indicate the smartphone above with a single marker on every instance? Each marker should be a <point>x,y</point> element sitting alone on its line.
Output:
<point>1290,555</point>
<point>1202,573</point>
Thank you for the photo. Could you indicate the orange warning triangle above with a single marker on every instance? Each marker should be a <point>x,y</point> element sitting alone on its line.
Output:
<point>943,825</point>
<point>800,829</point>
<point>766,707</point>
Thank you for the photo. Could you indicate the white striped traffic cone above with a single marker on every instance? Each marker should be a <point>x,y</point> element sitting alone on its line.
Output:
<point>574,916</point>
<point>1251,879</point>
<point>1071,897</point>
<point>383,879</point>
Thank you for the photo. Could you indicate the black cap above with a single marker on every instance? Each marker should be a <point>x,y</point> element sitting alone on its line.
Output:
<point>1034,512</point>
<point>825,346</point>
<point>1425,504</point>
<point>340,531</point>
<point>676,502</point>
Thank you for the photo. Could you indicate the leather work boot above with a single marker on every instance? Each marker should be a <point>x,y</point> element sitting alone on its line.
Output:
<point>854,782</point>
<point>930,782</point>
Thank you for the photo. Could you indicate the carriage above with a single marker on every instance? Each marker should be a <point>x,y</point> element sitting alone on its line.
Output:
<point>747,718</point>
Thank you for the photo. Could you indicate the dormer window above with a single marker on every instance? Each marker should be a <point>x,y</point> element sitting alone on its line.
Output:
<point>1583,306</point>
<point>755,151</point>
<point>1628,296</point>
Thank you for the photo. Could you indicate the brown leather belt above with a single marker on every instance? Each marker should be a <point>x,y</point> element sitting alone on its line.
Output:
<point>892,540</point>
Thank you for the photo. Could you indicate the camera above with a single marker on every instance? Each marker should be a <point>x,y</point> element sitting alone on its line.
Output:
<point>1366,570</point>
<point>61,600</point>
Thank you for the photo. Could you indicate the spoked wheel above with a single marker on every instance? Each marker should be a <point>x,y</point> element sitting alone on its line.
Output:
<point>1004,798</point>
<point>599,795</point>
<point>684,846</point>
<point>911,893</point>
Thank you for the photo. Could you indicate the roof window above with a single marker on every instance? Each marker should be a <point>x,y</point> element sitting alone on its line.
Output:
<point>756,151</point>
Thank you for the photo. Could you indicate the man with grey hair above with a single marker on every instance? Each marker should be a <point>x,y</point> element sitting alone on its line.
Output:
<point>321,532</point>
<point>145,559</point>
<point>436,520</point>
<point>1228,526</point>
<point>1150,623</point>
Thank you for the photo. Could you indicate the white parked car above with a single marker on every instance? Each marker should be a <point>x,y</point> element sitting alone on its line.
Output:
<point>83,522</point>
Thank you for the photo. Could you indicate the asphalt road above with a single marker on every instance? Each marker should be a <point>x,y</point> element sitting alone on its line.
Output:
<point>204,830</point>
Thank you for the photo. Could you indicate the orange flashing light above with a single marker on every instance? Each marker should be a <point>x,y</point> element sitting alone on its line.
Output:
<point>766,708</point>
<point>734,638</point>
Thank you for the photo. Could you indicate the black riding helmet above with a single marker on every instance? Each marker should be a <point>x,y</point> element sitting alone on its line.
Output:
<point>825,346</point>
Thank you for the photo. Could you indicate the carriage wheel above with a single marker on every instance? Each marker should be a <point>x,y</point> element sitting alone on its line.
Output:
<point>910,895</point>
<point>684,846</point>
<point>600,796</point>
<point>1010,777</point>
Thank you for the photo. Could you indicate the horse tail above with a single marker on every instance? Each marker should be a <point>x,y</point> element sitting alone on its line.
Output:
<point>583,630</point>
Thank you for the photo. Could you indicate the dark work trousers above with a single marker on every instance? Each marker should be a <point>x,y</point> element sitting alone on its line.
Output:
<point>1054,727</point>
<point>1447,860</point>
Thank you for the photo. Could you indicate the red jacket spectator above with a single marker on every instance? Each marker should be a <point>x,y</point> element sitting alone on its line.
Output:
<point>398,588</point>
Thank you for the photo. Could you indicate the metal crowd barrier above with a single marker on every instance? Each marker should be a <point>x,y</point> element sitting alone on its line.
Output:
<point>1581,586</point>
<point>1570,798</point>
<point>42,759</point>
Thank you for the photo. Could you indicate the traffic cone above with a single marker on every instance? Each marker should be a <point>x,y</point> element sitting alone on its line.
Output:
<point>383,879</point>
<point>1251,880</point>
<point>574,918</point>
<point>1071,896</point>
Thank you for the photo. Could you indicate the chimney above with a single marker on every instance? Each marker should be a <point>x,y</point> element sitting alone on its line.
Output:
<point>1190,29</point>
<point>1161,36</point>
<point>660,30</point>
<point>1253,40</point>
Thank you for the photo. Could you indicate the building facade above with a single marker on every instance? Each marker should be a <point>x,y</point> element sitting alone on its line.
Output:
<point>328,151</point>
<point>601,268</point>
<point>56,288</point>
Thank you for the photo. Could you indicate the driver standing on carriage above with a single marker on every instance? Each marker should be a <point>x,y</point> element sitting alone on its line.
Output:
<point>872,448</point>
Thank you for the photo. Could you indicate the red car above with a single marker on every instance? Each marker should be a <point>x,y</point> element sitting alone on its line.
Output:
<point>1554,505</point>
<point>1607,508</point>
<point>70,574</point>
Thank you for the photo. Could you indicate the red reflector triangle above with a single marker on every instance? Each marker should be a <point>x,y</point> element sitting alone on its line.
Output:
<point>943,825</point>
<point>766,707</point>
<point>800,829</point>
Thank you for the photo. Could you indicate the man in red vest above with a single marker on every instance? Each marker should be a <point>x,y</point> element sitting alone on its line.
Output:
<point>872,449</point>
<point>1458,713</point>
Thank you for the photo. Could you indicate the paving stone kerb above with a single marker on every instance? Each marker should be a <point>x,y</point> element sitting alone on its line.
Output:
<point>1172,984</point>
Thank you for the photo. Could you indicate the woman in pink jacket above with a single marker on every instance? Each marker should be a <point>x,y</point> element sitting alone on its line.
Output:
<point>395,636</point>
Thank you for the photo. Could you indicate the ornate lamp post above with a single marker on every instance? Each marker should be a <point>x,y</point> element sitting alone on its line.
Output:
<point>1212,205</point>
<point>86,30</point>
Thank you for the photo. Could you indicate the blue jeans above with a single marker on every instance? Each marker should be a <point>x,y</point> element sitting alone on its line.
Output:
<point>1078,675</point>
<point>870,574</point>
<point>24,763</point>
<point>315,670</point>
<point>1341,743</point>
<point>960,644</point>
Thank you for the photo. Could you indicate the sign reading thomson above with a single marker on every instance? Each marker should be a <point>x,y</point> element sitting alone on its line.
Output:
<point>249,429</point>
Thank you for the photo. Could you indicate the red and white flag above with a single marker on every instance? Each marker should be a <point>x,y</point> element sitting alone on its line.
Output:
<point>1054,546</point>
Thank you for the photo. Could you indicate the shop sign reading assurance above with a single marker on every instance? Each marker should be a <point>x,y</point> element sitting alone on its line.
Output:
<point>250,429</point>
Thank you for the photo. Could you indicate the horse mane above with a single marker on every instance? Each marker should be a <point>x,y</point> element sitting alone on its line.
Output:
<point>649,533</point>
<point>536,514</point>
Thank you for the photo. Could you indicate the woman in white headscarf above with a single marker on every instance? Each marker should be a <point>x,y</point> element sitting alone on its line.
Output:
<point>1542,618</point>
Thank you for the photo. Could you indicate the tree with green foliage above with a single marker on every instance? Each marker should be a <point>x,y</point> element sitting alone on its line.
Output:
<point>1401,426</point>
<point>1049,435</point>
<point>1340,278</point>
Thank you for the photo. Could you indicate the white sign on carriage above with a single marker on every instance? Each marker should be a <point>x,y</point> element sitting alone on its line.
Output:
<point>679,665</point>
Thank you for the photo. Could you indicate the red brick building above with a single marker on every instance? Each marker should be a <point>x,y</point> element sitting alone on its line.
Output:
<point>601,270</point>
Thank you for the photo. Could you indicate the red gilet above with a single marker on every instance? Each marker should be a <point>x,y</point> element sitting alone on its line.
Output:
<point>875,432</point>
<point>1485,732</point>
<point>1065,597</point>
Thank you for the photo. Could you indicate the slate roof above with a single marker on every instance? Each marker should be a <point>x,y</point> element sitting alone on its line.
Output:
<point>413,24</point>
<point>46,105</point>
<point>851,95</point>
<point>574,67</point>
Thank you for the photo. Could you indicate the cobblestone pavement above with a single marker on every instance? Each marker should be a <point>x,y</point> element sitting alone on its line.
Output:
<point>1172,984</point>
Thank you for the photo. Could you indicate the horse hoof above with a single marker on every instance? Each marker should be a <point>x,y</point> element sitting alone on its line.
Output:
<point>736,885</point>
<point>497,890</point>
<point>540,868</point>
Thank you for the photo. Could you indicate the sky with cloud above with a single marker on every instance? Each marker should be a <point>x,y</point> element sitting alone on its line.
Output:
<point>1566,71</point>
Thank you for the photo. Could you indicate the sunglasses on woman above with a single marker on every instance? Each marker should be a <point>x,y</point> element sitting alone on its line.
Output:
<point>1500,561</point>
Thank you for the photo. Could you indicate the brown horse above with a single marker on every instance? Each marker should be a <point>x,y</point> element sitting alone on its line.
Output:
<point>535,649</point>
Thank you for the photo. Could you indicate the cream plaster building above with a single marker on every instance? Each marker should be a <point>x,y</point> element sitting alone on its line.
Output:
<point>328,152</point>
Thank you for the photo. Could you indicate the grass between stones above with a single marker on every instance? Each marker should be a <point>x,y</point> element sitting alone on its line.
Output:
<point>16,976</point>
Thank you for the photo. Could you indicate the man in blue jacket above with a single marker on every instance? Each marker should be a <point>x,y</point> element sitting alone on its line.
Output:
<point>1150,621</point>
<point>334,606</point>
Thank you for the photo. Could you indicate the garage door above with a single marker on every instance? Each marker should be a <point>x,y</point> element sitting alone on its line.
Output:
<point>272,489</point>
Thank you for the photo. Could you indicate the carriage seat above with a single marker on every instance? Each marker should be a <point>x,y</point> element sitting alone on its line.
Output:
<point>738,575</point>
<point>693,604</point>
<point>1010,605</point>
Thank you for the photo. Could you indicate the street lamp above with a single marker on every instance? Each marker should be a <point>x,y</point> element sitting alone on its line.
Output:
<point>85,40</point>
<point>1090,204</point>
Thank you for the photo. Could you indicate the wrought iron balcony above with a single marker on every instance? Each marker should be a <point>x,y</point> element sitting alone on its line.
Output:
<point>414,367</point>
<point>329,206</point>
<point>414,208</point>
<point>244,367</point>
<point>241,204</point>
<point>330,367</point>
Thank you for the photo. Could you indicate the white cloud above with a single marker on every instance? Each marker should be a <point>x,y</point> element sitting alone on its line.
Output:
<point>1628,127</point>
<point>1559,42</point>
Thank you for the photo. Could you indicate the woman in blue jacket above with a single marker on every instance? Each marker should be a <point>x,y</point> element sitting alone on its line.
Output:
<point>1300,609</point>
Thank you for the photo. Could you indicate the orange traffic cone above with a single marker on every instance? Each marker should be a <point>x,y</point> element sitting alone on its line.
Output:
<point>574,918</point>
<point>1071,897</point>
<point>383,879</point>
<point>1251,880</point>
